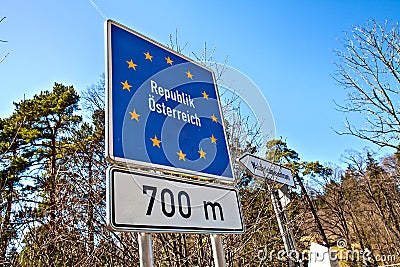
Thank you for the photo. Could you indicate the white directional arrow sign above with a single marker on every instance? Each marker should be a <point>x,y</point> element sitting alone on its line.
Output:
<point>265,169</point>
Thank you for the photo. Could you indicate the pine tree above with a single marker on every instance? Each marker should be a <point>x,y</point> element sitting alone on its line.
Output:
<point>48,120</point>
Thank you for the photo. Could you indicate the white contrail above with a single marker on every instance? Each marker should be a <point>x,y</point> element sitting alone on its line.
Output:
<point>101,13</point>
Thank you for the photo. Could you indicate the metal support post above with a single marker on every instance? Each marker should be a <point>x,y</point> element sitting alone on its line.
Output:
<point>218,250</point>
<point>145,250</point>
<point>284,228</point>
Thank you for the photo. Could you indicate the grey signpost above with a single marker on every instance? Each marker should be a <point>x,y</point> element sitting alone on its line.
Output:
<point>145,250</point>
<point>218,250</point>
<point>266,170</point>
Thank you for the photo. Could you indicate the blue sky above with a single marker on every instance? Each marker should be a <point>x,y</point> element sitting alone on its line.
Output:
<point>285,47</point>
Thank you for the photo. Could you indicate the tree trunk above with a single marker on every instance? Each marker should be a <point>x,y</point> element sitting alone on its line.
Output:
<point>5,231</point>
<point>90,208</point>
<point>313,211</point>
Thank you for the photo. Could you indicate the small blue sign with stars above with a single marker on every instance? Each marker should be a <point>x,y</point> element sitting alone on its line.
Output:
<point>163,109</point>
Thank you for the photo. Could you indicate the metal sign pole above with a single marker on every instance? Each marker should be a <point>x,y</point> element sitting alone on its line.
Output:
<point>218,250</point>
<point>145,250</point>
<point>281,226</point>
<point>267,170</point>
<point>284,228</point>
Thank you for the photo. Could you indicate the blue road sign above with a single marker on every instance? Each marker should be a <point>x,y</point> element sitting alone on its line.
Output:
<point>163,109</point>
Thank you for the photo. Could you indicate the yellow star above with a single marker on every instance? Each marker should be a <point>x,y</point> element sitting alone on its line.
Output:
<point>202,153</point>
<point>131,64</point>
<point>169,61</point>
<point>213,139</point>
<point>126,85</point>
<point>189,75</point>
<point>134,115</point>
<point>213,118</point>
<point>148,56</point>
<point>181,155</point>
<point>155,141</point>
<point>205,95</point>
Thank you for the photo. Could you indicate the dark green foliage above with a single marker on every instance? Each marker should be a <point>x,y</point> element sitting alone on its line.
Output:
<point>32,141</point>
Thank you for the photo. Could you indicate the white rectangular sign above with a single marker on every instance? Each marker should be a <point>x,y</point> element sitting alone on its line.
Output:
<point>147,202</point>
<point>267,170</point>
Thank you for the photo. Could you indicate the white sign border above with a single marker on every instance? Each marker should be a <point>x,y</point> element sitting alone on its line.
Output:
<point>163,229</point>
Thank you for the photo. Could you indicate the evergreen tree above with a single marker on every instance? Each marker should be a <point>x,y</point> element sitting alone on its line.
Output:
<point>48,120</point>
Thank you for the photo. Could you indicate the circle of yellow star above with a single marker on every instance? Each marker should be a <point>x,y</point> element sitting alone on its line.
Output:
<point>131,65</point>
<point>155,141</point>
<point>213,118</point>
<point>169,60</point>
<point>202,153</point>
<point>134,115</point>
<point>181,155</point>
<point>126,86</point>
<point>213,139</point>
<point>189,75</point>
<point>205,95</point>
<point>148,56</point>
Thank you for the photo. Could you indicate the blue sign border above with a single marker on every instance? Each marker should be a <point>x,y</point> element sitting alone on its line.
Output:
<point>123,147</point>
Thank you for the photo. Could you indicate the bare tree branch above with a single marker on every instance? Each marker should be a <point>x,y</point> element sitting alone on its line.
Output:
<point>369,69</point>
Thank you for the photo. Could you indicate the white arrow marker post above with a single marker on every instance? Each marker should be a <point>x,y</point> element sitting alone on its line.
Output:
<point>266,170</point>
